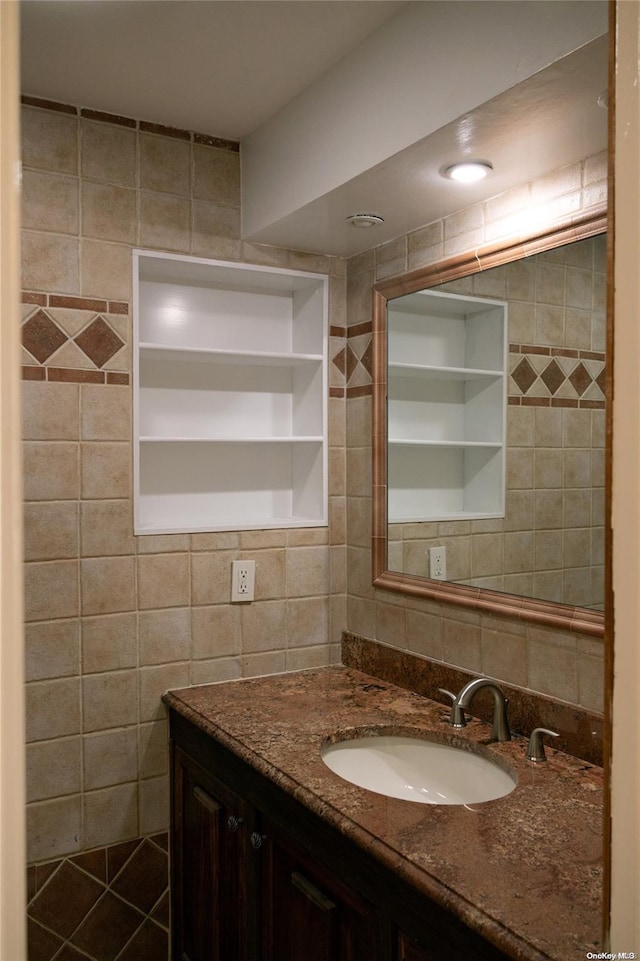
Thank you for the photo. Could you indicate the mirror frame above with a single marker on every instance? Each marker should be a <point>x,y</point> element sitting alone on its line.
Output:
<point>547,613</point>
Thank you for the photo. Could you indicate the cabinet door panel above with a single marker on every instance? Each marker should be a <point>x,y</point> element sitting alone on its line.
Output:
<point>201,881</point>
<point>310,915</point>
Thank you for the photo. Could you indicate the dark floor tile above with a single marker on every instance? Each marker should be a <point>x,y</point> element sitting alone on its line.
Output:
<point>69,953</point>
<point>162,840</point>
<point>107,928</point>
<point>93,862</point>
<point>162,911</point>
<point>65,900</point>
<point>31,882</point>
<point>45,871</point>
<point>144,878</point>
<point>118,855</point>
<point>42,945</point>
<point>150,943</point>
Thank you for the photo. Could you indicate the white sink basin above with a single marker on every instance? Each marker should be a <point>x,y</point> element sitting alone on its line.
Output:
<point>417,770</point>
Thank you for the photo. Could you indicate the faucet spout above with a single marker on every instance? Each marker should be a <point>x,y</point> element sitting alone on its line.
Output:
<point>501,731</point>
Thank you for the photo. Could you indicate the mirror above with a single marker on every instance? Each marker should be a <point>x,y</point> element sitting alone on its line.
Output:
<point>489,429</point>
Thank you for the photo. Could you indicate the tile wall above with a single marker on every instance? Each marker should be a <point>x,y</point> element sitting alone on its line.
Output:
<point>564,665</point>
<point>114,620</point>
<point>550,543</point>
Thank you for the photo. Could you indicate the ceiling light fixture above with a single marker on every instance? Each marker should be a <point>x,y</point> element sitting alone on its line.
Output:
<point>365,220</point>
<point>469,171</point>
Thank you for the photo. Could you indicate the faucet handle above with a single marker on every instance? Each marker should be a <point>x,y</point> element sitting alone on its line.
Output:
<point>535,749</point>
<point>457,718</point>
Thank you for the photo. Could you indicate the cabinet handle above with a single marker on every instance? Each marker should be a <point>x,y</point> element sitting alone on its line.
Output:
<point>233,822</point>
<point>257,840</point>
<point>206,800</point>
<point>311,892</point>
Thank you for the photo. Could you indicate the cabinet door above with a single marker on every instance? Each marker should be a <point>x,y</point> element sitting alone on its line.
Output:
<point>214,906</point>
<point>310,915</point>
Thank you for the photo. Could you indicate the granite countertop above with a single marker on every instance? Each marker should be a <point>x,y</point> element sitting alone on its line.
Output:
<point>525,871</point>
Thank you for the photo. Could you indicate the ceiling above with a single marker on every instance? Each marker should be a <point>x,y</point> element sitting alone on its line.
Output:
<point>226,67</point>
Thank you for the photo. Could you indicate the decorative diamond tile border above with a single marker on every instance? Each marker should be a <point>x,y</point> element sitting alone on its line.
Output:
<point>110,904</point>
<point>75,339</point>
<point>556,377</point>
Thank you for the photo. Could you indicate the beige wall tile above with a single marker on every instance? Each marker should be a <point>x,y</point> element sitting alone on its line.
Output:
<point>424,634</point>
<point>307,536</point>
<point>52,649</point>
<point>110,758</point>
<point>51,590</point>
<point>153,749</point>
<point>307,622</point>
<point>106,528</point>
<point>163,543</point>
<point>49,140</point>
<point>163,580</point>
<point>105,270</point>
<point>461,645</point>
<point>106,412</point>
<point>391,623</point>
<point>109,643</point>
<point>264,626</point>
<point>109,700</point>
<point>211,577</point>
<point>108,152</point>
<point>504,656</point>
<point>54,829</point>
<point>154,681</point>
<point>216,230</point>
<point>50,411</point>
<point>107,585</point>
<point>51,471</point>
<point>53,768</point>
<point>216,175</point>
<point>164,636</point>
<point>50,262</point>
<point>308,658</point>
<point>52,709</point>
<point>110,815</point>
<point>105,470</point>
<point>50,202</point>
<point>165,221</point>
<point>165,164</point>
<point>215,671</point>
<point>216,631</point>
<point>50,530</point>
<point>553,670</point>
<point>270,574</point>
<point>154,805</point>
<point>259,665</point>
<point>109,212</point>
<point>307,571</point>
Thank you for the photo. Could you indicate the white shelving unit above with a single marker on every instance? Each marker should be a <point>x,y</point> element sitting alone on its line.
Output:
<point>446,407</point>
<point>230,396</point>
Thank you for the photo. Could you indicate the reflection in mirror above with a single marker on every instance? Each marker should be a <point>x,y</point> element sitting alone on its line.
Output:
<point>490,434</point>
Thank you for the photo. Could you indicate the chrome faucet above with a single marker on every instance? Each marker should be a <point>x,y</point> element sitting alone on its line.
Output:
<point>500,730</point>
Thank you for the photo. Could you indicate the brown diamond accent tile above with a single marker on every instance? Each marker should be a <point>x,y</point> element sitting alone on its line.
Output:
<point>524,375</point>
<point>553,377</point>
<point>601,380</point>
<point>580,379</point>
<point>144,878</point>
<point>340,360</point>
<point>352,362</point>
<point>150,943</point>
<point>41,336</point>
<point>367,358</point>
<point>99,341</point>
<point>65,900</point>
<point>107,928</point>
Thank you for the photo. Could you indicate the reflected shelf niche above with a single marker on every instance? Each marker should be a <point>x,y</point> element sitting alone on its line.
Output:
<point>230,396</point>
<point>446,407</point>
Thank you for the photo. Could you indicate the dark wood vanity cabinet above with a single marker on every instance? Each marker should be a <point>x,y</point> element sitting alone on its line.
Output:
<point>256,876</point>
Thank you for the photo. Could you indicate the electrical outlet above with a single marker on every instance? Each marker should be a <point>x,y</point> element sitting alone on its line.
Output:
<point>438,563</point>
<point>243,578</point>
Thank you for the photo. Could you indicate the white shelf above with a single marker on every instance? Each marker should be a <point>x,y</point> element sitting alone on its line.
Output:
<point>446,407</point>
<point>230,396</point>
